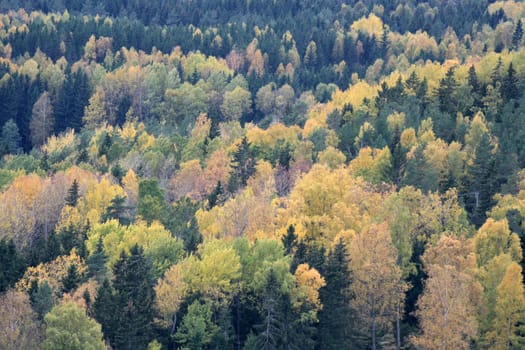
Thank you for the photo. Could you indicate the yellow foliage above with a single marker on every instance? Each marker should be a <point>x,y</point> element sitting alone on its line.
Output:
<point>310,280</point>
<point>371,25</point>
<point>97,198</point>
<point>267,139</point>
<point>169,294</point>
<point>332,157</point>
<point>512,9</point>
<point>52,272</point>
<point>371,164</point>
<point>495,238</point>
<point>327,202</point>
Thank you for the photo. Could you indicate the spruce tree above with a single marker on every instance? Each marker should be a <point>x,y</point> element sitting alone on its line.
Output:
<point>73,194</point>
<point>117,210</point>
<point>270,330</point>
<point>480,182</point>
<point>335,317</point>
<point>41,297</point>
<point>517,35</point>
<point>11,139</point>
<point>509,86</point>
<point>134,295</point>
<point>97,262</point>
<point>105,310</point>
<point>71,280</point>
<point>12,264</point>
<point>243,166</point>
<point>290,240</point>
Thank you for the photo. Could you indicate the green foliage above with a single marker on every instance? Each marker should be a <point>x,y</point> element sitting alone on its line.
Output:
<point>12,264</point>
<point>68,328</point>
<point>197,329</point>
<point>41,297</point>
<point>151,200</point>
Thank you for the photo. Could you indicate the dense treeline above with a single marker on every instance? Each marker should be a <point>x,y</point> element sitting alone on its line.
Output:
<point>239,175</point>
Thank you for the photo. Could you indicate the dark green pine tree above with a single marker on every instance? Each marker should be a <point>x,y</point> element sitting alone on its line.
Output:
<point>134,294</point>
<point>151,204</point>
<point>476,87</point>
<point>290,240</point>
<point>480,182</point>
<point>73,194</point>
<point>509,85</point>
<point>496,75</point>
<point>12,264</point>
<point>41,298</point>
<point>117,210</point>
<point>269,333</point>
<point>106,312</point>
<point>446,93</point>
<point>335,318</point>
<point>191,236</point>
<point>215,196</point>
<point>11,139</point>
<point>517,35</point>
<point>71,280</point>
<point>243,166</point>
<point>180,220</point>
<point>72,98</point>
<point>97,262</point>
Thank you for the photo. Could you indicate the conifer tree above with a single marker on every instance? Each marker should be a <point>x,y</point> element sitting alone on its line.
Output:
<point>11,139</point>
<point>11,264</point>
<point>73,194</point>
<point>335,318</point>
<point>134,295</point>
<point>517,35</point>
<point>71,280</point>
<point>480,182</point>
<point>41,297</point>
<point>97,262</point>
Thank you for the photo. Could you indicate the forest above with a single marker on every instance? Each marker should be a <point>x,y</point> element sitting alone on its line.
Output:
<point>227,174</point>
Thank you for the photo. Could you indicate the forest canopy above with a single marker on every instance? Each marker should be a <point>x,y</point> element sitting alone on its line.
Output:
<point>262,175</point>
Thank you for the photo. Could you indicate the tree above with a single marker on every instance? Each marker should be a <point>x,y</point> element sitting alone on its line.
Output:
<point>69,328</point>
<point>506,332</point>
<point>270,331</point>
<point>19,327</point>
<point>151,200</point>
<point>134,295</point>
<point>197,329</point>
<point>11,139</point>
<point>236,103</point>
<point>96,262</point>
<point>106,311</point>
<point>42,120</point>
<point>243,166</point>
<point>377,287</point>
<point>336,316</point>
<point>479,183</point>
<point>41,296</point>
<point>73,194</point>
<point>71,280</point>
<point>289,240</point>
<point>12,264</point>
<point>517,35</point>
<point>170,292</point>
<point>509,85</point>
<point>447,307</point>
<point>117,210</point>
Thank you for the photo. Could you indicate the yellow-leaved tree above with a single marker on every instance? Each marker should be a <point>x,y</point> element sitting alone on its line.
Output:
<point>378,287</point>
<point>447,308</point>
